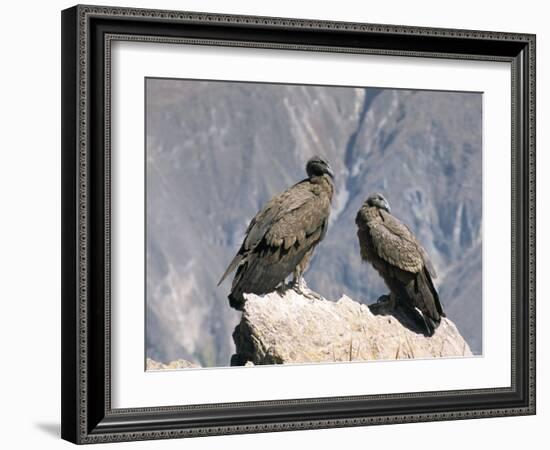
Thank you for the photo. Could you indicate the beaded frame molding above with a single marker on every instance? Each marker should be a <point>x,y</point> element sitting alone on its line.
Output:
<point>87,34</point>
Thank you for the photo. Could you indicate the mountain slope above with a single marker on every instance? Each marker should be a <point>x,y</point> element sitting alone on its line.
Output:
<point>216,152</point>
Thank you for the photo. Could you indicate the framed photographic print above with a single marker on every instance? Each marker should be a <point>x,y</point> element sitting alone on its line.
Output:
<point>281,224</point>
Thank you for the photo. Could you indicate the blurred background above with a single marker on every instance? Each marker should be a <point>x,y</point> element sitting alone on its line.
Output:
<point>218,151</point>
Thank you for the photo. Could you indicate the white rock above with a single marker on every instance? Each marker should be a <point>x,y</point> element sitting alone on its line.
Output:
<point>294,329</point>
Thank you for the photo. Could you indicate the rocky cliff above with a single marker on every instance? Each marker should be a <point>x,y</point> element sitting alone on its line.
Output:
<point>151,364</point>
<point>292,329</point>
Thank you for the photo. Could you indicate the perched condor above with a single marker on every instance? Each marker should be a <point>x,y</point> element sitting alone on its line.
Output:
<point>281,238</point>
<point>400,260</point>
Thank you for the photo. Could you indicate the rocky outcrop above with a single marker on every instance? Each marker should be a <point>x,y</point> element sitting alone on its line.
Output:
<point>292,329</point>
<point>151,364</point>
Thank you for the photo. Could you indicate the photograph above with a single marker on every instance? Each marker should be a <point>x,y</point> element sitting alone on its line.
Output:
<point>278,223</point>
<point>295,224</point>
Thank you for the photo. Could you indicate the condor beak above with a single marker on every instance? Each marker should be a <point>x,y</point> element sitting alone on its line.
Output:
<point>330,172</point>
<point>387,206</point>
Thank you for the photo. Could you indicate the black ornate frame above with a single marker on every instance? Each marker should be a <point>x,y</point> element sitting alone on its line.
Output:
<point>87,33</point>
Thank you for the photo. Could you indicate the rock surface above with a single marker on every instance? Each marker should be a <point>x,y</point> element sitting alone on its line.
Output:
<point>177,364</point>
<point>295,329</point>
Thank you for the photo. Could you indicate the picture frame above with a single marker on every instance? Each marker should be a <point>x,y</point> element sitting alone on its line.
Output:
<point>88,33</point>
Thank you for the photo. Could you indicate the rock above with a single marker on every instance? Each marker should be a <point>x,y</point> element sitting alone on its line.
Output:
<point>294,329</point>
<point>177,364</point>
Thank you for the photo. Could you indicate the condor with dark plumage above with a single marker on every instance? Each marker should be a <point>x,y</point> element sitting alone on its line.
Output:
<point>399,258</point>
<point>281,238</point>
